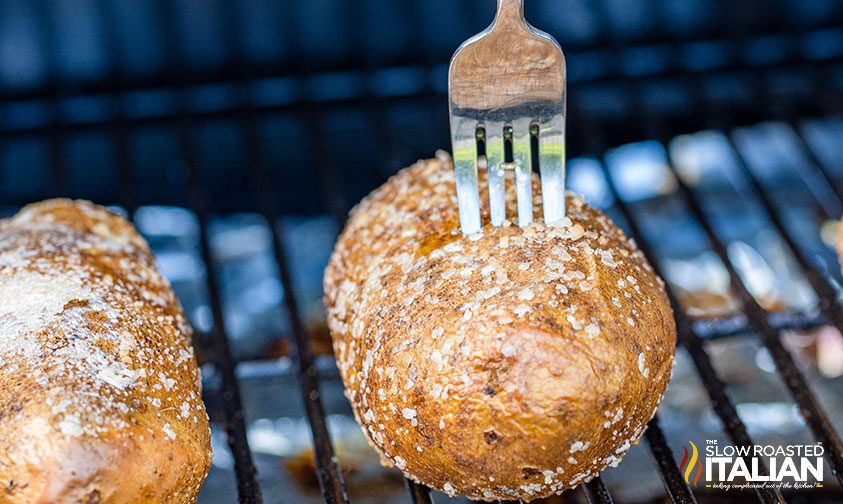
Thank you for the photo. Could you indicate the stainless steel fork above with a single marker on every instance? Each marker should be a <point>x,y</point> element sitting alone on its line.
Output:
<point>506,89</point>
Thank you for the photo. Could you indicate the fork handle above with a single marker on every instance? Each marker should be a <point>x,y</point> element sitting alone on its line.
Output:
<point>510,10</point>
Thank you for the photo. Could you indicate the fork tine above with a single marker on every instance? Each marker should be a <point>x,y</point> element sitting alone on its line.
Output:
<point>552,167</point>
<point>497,174</point>
<point>509,73</point>
<point>523,169</point>
<point>465,168</point>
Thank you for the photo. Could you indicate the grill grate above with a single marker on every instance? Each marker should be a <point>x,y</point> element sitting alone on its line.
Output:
<point>596,491</point>
<point>601,131</point>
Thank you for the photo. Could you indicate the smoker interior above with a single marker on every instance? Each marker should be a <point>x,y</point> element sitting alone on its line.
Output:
<point>238,134</point>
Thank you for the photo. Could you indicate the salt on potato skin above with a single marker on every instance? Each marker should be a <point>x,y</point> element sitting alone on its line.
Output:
<point>100,394</point>
<point>526,372</point>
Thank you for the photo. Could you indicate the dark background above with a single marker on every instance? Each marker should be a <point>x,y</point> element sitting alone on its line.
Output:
<point>95,94</point>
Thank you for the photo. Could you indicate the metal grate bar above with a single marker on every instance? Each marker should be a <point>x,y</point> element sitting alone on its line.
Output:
<point>596,492</point>
<point>824,290</point>
<point>820,168</point>
<point>328,176</point>
<point>828,204</point>
<point>303,68</point>
<point>716,389</point>
<point>737,324</point>
<point>721,402</point>
<point>303,107</point>
<point>419,494</point>
<point>328,469</point>
<point>235,429</point>
<point>793,378</point>
<point>331,185</point>
<point>676,487</point>
<point>330,181</point>
<point>122,157</point>
<point>678,490</point>
<point>809,406</point>
<point>52,94</point>
<point>382,140</point>
<point>327,466</point>
<point>120,130</point>
<point>303,103</point>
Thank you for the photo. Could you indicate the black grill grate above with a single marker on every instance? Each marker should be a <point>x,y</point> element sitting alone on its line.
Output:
<point>595,129</point>
<point>329,474</point>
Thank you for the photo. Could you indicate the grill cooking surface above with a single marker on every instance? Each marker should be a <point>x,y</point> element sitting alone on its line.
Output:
<point>240,174</point>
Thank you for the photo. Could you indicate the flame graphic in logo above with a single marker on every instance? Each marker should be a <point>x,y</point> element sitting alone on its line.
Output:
<point>686,467</point>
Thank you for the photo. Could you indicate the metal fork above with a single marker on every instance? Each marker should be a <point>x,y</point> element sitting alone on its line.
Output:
<point>506,88</point>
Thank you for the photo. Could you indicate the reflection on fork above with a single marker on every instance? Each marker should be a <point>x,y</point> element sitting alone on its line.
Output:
<point>507,101</point>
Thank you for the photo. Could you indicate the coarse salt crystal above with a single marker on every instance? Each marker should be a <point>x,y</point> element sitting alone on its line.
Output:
<point>522,310</point>
<point>576,446</point>
<point>168,431</point>
<point>71,426</point>
<point>408,413</point>
<point>120,378</point>
<point>508,350</point>
<point>642,366</point>
<point>168,382</point>
<point>606,258</point>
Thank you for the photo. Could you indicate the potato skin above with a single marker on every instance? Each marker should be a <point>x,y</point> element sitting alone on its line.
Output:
<point>100,394</point>
<point>515,363</point>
